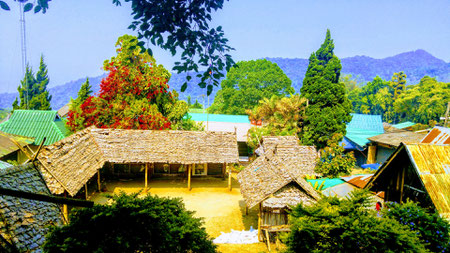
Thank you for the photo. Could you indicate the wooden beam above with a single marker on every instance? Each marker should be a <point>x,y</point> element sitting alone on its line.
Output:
<point>229,178</point>
<point>189,176</point>
<point>99,183</point>
<point>146,175</point>
<point>45,198</point>
<point>38,150</point>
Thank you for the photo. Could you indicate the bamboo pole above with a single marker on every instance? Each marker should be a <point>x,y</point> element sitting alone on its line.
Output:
<point>66,213</point>
<point>268,239</point>
<point>229,178</point>
<point>99,184</point>
<point>146,175</point>
<point>86,191</point>
<point>189,176</point>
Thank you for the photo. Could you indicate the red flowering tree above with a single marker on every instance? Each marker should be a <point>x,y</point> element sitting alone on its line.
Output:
<point>134,95</point>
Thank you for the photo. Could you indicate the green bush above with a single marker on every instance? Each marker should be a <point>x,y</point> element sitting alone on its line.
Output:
<point>347,225</point>
<point>131,224</point>
<point>332,161</point>
<point>431,228</point>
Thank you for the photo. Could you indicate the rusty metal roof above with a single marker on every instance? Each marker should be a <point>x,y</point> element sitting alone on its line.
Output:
<point>438,135</point>
<point>432,163</point>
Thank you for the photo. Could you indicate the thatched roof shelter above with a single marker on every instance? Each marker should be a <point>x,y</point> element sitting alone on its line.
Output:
<point>71,162</point>
<point>272,176</point>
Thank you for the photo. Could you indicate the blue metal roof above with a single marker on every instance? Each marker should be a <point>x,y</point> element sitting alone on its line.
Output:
<point>360,128</point>
<point>404,124</point>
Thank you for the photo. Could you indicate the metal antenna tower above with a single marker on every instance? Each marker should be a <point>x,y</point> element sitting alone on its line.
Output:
<point>23,40</point>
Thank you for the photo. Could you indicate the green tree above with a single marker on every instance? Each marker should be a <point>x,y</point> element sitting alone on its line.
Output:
<point>282,117</point>
<point>33,91</point>
<point>398,83</point>
<point>131,224</point>
<point>347,225</point>
<point>84,92</point>
<point>424,102</point>
<point>329,108</point>
<point>333,161</point>
<point>249,82</point>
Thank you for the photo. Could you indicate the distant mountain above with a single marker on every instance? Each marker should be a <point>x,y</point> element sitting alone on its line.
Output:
<point>415,64</point>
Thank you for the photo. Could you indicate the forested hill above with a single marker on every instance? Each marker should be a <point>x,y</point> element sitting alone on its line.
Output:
<point>415,64</point>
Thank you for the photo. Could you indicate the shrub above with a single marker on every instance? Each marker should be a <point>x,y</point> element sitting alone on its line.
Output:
<point>332,161</point>
<point>347,225</point>
<point>431,228</point>
<point>131,224</point>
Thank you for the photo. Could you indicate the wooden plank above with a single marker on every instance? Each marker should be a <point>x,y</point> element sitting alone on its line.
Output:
<point>45,198</point>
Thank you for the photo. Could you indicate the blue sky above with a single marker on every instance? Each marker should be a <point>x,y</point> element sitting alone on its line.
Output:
<point>75,37</point>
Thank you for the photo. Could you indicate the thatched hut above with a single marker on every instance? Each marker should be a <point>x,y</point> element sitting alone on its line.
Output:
<point>72,162</point>
<point>275,182</point>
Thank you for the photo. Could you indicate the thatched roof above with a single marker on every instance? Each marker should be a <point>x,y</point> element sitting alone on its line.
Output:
<point>183,147</point>
<point>71,162</point>
<point>277,168</point>
<point>289,195</point>
<point>393,139</point>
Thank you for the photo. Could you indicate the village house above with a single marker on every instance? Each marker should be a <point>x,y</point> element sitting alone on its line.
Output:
<point>25,222</point>
<point>36,124</point>
<point>239,124</point>
<point>11,147</point>
<point>359,130</point>
<point>68,165</point>
<point>438,135</point>
<point>275,181</point>
<point>417,172</point>
<point>382,146</point>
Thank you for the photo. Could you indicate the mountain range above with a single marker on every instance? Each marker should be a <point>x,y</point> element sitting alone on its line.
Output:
<point>415,64</point>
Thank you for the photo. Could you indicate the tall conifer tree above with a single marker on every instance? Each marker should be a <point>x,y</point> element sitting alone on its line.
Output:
<point>84,92</point>
<point>33,91</point>
<point>329,109</point>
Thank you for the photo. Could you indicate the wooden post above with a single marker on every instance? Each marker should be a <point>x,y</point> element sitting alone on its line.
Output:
<point>268,239</point>
<point>246,210</point>
<point>99,184</point>
<point>86,191</point>
<point>189,176</point>
<point>371,154</point>
<point>65,210</point>
<point>224,170</point>
<point>259,222</point>
<point>402,184</point>
<point>146,175</point>
<point>229,178</point>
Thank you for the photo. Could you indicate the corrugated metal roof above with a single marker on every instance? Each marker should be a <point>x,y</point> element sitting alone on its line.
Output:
<point>433,166</point>
<point>7,146</point>
<point>362,127</point>
<point>36,124</point>
<point>438,135</point>
<point>405,124</point>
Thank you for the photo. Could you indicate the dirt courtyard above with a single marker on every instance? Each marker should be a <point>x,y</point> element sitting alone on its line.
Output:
<point>222,210</point>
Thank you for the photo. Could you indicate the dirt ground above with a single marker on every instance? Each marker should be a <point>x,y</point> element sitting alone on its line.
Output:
<point>222,210</point>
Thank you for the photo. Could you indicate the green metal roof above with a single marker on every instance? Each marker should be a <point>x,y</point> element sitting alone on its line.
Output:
<point>404,125</point>
<point>362,127</point>
<point>36,124</point>
<point>219,118</point>
<point>4,165</point>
